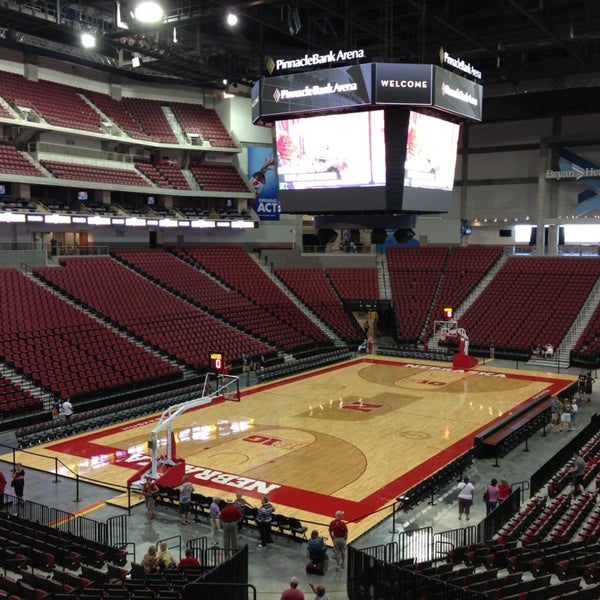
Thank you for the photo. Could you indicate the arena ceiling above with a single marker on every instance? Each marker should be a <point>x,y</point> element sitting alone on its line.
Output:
<point>516,44</point>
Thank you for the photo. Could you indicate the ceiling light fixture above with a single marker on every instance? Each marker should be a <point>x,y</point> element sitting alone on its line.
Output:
<point>232,19</point>
<point>149,12</point>
<point>88,40</point>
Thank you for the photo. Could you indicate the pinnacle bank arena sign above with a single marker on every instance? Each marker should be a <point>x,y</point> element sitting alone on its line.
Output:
<point>365,86</point>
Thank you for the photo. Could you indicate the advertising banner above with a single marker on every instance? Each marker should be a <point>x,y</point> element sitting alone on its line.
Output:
<point>261,172</point>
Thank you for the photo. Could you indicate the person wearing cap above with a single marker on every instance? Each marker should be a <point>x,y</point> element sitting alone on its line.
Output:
<point>292,593</point>
<point>231,515</point>
<point>150,492</point>
<point>186,489</point>
<point>338,530</point>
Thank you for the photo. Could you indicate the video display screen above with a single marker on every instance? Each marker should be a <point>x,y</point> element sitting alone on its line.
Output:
<point>373,161</point>
<point>430,152</point>
<point>342,150</point>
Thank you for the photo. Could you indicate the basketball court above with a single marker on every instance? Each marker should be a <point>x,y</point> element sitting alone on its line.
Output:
<point>349,437</point>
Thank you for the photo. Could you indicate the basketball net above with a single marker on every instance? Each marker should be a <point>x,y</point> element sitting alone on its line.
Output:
<point>228,386</point>
<point>445,330</point>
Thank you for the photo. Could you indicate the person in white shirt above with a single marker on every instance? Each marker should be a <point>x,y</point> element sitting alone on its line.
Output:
<point>67,410</point>
<point>465,498</point>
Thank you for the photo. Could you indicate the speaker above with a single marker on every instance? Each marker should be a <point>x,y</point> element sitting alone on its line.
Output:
<point>327,236</point>
<point>378,236</point>
<point>403,235</point>
<point>153,239</point>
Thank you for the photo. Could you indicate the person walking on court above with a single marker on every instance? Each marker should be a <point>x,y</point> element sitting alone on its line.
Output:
<point>264,516</point>
<point>338,530</point>
<point>465,498</point>
<point>215,518</point>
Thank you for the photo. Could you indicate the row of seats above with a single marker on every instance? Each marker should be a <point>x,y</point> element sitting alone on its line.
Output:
<point>311,285</point>
<point>286,526</point>
<point>64,106</point>
<point>195,285</point>
<point>301,365</point>
<point>88,420</point>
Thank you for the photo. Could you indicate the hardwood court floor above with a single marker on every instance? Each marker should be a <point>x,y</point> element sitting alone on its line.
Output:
<point>349,437</point>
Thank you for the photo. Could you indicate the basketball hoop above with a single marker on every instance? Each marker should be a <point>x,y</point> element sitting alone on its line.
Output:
<point>228,386</point>
<point>444,330</point>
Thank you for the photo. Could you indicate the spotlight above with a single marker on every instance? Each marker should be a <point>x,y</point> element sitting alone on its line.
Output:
<point>88,40</point>
<point>148,12</point>
<point>232,19</point>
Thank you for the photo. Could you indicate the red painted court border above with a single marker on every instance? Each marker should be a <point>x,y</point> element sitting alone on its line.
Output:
<point>309,500</point>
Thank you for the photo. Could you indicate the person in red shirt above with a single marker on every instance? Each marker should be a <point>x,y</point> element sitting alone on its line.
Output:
<point>338,530</point>
<point>231,515</point>
<point>292,593</point>
<point>150,492</point>
<point>189,560</point>
<point>503,489</point>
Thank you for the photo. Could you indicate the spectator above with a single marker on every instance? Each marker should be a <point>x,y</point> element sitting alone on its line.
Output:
<point>215,521</point>
<point>165,558</point>
<point>2,488</point>
<point>503,489</point>
<point>189,560</point>
<point>67,410</point>
<point>465,498</point>
<point>292,593</point>
<point>186,490</point>
<point>577,473</point>
<point>150,561</point>
<point>555,411</point>
<point>317,550</point>
<point>241,503</point>
<point>338,530</point>
<point>18,483</point>
<point>565,415</point>
<point>581,382</point>
<point>491,496</point>
<point>264,516</point>
<point>574,414</point>
<point>319,591</point>
<point>231,515</point>
<point>55,409</point>
<point>589,382</point>
<point>150,492</point>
